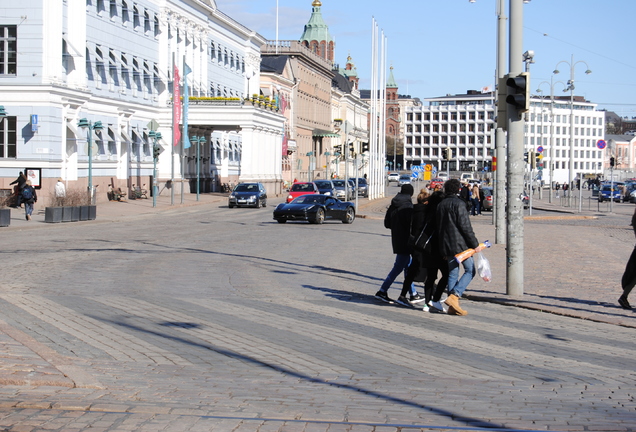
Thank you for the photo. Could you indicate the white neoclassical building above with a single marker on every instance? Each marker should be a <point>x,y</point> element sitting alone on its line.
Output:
<point>113,61</point>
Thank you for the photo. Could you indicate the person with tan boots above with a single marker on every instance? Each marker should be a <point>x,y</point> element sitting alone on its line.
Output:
<point>455,234</point>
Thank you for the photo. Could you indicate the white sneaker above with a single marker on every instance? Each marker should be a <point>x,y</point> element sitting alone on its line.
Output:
<point>439,306</point>
<point>425,308</point>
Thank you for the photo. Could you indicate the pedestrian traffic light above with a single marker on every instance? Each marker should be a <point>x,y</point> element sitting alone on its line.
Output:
<point>156,151</point>
<point>533,160</point>
<point>519,92</point>
<point>351,150</point>
<point>447,153</point>
<point>525,157</point>
<point>502,105</point>
<point>612,162</point>
<point>365,147</point>
<point>337,150</point>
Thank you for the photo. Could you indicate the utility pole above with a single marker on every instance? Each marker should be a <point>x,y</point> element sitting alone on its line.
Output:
<point>518,100</point>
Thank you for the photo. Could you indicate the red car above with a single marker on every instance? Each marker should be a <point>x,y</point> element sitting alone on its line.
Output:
<point>298,189</point>
<point>437,182</point>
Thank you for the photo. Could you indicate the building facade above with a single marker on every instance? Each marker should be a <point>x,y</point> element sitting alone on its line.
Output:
<point>461,123</point>
<point>465,124</point>
<point>114,62</point>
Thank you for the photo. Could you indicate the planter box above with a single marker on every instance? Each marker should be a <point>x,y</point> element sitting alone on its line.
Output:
<point>67,214</point>
<point>53,214</point>
<point>92,212</point>
<point>84,212</point>
<point>5,217</point>
<point>75,213</point>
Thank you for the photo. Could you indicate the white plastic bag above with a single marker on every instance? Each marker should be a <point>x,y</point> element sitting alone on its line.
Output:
<point>483,267</point>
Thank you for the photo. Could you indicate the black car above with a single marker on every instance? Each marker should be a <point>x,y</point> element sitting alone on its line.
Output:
<point>326,187</point>
<point>248,195</point>
<point>315,209</point>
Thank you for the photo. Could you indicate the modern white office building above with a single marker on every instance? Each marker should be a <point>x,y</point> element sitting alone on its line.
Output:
<point>465,124</point>
<point>462,123</point>
<point>111,61</point>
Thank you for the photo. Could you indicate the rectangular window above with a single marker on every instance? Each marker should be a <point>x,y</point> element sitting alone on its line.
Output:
<point>113,9</point>
<point>125,17</point>
<point>136,19</point>
<point>8,137</point>
<point>8,50</point>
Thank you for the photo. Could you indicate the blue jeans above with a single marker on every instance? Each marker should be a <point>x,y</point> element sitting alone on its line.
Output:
<point>28,208</point>
<point>457,285</point>
<point>402,262</point>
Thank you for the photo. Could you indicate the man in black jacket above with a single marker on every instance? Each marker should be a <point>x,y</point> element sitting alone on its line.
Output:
<point>455,234</point>
<point>398,219</point>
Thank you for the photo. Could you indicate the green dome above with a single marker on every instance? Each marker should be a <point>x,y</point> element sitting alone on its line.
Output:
<point>316,29</point>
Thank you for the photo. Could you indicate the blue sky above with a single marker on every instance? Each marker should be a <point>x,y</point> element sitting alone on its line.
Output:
<point>440,47</point>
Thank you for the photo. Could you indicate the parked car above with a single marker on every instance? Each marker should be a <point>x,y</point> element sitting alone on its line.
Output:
<point>438,181</point>
<point>326,187</point>
<point>632,196</point>
<point>301,188</point>
<point>393,177</point>
<point>404,179</point>
<point>443,175</point>
<point>315,209</point>
<point>487,198</point>
<point>363,187</point>
<point>608,192</point>
<point>248,195</point>
<point>341,194</point>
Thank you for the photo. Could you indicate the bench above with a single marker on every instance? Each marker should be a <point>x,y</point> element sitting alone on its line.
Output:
<point>138,193</point>
<point>116,194</point>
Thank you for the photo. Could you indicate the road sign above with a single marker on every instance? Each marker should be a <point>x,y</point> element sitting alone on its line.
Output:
<point>428,167</point>
<point>601,144</point>
<point>540,149</point>
<point>153,125</point>
<point>416,168</point>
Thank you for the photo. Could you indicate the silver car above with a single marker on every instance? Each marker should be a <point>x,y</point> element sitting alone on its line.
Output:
<point>404,179</point>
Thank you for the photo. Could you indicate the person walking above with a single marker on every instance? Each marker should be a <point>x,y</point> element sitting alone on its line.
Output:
<point>398,220</point>
<point>29,197</point>
<point>17,189</point>
<point>628,281</point>
<point>435,263</point>
<point>475,200</point>
<point>60,192</point>
<point>416,271</point>
<point>455,235</point>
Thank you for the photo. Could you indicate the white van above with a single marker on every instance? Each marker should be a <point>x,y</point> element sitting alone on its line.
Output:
<point>442,175</point>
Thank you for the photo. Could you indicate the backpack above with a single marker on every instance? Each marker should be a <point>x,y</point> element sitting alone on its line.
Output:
<point>27,193</point>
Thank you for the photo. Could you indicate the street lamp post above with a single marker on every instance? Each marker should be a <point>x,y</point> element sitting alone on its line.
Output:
<point>551,150</point>
<point>570,87</point>
<point>156,151</point>
<point>84,123</point>
<point>198,141</point>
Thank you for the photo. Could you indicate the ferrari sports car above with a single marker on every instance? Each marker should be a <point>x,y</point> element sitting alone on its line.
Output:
<point>315,209</point>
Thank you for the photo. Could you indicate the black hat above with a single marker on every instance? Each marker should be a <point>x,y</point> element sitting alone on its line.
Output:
<point>407,189</point>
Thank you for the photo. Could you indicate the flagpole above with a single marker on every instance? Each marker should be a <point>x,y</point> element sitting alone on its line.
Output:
<point>184,137</point>
<point>173,132</point>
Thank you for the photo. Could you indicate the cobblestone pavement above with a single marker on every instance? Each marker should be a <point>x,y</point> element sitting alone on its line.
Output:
<point>195,317</point>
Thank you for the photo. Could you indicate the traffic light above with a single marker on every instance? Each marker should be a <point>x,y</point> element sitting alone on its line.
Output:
<point>612,161</point>
<point>538,160</point>
<point>365,147</point>
<point>519,92</point>
<point>351,150</point>
<point>533,160</point>
<point>502,105</point>
<point>156,151</point>
<point>447,153</point>
<point>525,157</point>
<point>337,150</point>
